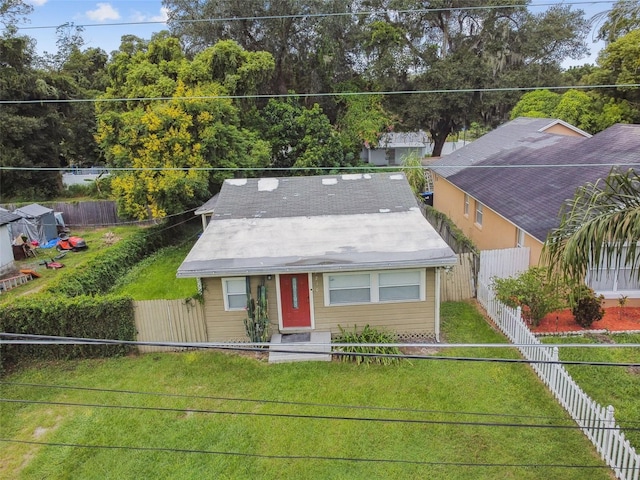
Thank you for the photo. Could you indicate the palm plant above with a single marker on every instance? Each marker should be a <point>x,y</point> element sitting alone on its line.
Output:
<point>599,228</point>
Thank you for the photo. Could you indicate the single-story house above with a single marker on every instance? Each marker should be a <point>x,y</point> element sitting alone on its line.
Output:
<point>333,251</point>
<point>393,147</point>
<point>6,250</point>
<point>206,210</point>
<point>38,223</point>
<point>506,189</point>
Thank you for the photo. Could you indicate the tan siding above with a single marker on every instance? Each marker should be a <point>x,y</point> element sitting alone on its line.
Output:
<point>405,317</point>
<point>227,326</point>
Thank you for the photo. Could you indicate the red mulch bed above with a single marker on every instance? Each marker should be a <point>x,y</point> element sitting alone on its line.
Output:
<point>615,319</point>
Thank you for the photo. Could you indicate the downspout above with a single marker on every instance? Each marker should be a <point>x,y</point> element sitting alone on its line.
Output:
<point>437,309</point>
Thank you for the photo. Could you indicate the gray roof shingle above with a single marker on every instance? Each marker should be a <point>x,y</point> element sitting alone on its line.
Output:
<point>529,186</point>
<point>523,132</point>
<point>315,224</point>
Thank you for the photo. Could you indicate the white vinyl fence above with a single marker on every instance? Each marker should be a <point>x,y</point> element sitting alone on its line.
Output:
<point>596,421</point>
<point>502,263</point>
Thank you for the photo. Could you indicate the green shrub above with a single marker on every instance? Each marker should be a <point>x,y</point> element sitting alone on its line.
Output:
<point>533,292</point>
<point>107,317</point>
<point>367,335</point>
<point>587,306</point>
<point>102,273</point>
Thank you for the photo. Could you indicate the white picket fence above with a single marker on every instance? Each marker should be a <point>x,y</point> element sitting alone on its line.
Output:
<point>597,422</point>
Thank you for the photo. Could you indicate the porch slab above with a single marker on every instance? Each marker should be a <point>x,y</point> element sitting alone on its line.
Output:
<point>304,347</point>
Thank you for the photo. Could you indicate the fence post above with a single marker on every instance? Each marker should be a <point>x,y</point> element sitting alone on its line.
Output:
<point>553,371</point>
<point>609,423</point>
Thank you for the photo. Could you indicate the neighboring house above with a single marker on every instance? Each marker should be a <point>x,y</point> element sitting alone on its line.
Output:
<point>206,210</point>
<point>333,251</point>
<point>393,147</point>
<point>6,249</point>
<point>506,189</point>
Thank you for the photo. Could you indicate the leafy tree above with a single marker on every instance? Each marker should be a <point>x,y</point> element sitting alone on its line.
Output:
<point>537,103</point>
<point>622,19</point>
<point>463,48</point>
<point>32,133</point>
<point>362,120</point>
<point>595,225</point>
<point>302,138</point>
<point>171,144</point>
<point>311,50</point>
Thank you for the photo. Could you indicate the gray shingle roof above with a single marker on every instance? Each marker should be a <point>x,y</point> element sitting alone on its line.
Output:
<point>315,224</point>
<point>529,186</point>
<point>7,217</point>
<point>523,132</point>
<point>312,196</point>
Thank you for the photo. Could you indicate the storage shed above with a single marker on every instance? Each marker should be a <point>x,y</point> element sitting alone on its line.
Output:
<point>37,222</point>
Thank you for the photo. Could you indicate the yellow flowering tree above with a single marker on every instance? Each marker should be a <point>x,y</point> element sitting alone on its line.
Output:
<point>178,135</point>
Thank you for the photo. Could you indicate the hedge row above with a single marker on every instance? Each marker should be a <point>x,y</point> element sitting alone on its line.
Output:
<point>87,317</point>
<point>99,275</point>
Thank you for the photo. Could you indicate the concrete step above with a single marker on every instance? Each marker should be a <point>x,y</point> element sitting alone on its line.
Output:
<point>301,347</point>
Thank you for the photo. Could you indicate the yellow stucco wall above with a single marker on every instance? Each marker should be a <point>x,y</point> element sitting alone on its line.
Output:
<point>559,129</point>
<point>494,233</point>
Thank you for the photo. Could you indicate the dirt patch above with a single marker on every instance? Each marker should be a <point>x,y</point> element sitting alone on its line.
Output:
<point>616,319</point>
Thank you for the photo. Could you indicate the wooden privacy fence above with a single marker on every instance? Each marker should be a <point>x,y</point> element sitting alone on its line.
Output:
<point>457,283</point>
<point>595,421</point>
<point>169,321</point>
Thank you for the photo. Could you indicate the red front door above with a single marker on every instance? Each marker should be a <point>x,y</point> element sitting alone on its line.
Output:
<point>294,301</point>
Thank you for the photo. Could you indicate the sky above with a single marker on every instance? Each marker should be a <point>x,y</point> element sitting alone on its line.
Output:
<point>99,19</point>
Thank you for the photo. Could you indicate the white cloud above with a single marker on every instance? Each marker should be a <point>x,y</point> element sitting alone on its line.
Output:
<point>103,12</point>
<point>37,3</point>
<point>162,16</point>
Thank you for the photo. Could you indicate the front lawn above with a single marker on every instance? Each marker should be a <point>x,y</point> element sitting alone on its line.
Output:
<point>617,386</point>
<point>216,415</point>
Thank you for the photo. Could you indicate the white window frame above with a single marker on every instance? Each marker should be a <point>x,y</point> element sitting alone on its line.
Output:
<point>519,238</point>
<point>467,201</point>
<point>374,287</point>
<point>595,275</point>
<point>479,213</point>
<point>225,293</point>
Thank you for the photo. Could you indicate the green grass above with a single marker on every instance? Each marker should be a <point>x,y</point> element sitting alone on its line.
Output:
<point>418,390</point>
<point>155,277</point>
<point>616,386</point>
<point>96,240</point>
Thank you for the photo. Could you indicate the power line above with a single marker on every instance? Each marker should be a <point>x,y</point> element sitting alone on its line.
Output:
<point>296,403</point>
<point>317,15</point>
<point>319,94</point>
<point>282,402</point>
<point>265,348</point>
<point>314,457</point>
<point>306,416</point>
<point>345,168</point>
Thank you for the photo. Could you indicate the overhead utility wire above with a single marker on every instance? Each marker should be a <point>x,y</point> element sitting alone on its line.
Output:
<point>319,94</point>
<point>365,168</point>
<point>310,416</point>
<point>301,404</point>
<point>51,340</point>
<point>282,402</point>
<point>313,457</point>
<point>56,339</point>
<point>321,15</point>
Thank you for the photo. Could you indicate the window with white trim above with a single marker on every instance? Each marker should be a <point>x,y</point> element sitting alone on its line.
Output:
<point>234,292</point>
<point>621,279</point>
<point>519,238</point>
<point>466,205</point>
<point>374,287</point>
<point>479,213</point>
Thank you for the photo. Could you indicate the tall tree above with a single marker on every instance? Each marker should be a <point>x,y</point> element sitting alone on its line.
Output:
<point>169,145</point>
<point>32,133</point>
<point>447,46</point>
<point>623,18</point>
<point>310,46</point>
<point>599,228</point>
